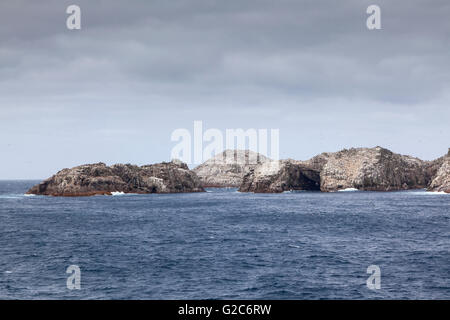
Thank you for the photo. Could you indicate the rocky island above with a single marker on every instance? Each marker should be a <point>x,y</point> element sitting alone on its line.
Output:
<point>227,169</point>
<point>368,169</point>
<point>365,169</point>
<point>100,179</point>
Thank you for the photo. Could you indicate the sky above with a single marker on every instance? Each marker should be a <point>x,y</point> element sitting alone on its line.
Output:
<point>115,90</point>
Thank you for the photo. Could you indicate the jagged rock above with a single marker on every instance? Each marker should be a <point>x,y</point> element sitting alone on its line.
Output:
<point>100,179</point>
<point>228,168</point>
<point>441,181</point>
<point>279,176</point>
<point>371,169</point>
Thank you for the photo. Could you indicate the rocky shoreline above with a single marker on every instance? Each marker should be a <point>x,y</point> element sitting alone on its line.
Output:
<point>364,169</point>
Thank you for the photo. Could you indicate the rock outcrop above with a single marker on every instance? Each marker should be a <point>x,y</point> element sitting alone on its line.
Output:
<point>100,179</point>
<point>441,180</point>
<point>228,168</point>
<point>279,176</point>
<point>371,169</point>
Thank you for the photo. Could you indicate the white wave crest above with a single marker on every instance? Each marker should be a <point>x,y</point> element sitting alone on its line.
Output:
<point>121,193</point>
<point>348,190</point>
<point>117,193</point>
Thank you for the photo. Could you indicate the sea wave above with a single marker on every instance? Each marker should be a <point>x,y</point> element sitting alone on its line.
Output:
<point>430,193</point>
<point>118,193</point>
<point>348,190</point>
<point>121,193</point>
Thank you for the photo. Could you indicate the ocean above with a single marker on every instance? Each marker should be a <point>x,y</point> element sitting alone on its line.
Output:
<point>223,244</point>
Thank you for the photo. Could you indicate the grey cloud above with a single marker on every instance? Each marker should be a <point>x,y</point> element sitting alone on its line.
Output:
<point>247,63</point>
<point>296,47</point>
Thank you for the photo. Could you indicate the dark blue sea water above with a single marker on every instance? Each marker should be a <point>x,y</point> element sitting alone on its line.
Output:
<point>225,245</point>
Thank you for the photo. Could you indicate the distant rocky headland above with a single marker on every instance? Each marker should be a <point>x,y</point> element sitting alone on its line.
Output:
<point>365,169</point>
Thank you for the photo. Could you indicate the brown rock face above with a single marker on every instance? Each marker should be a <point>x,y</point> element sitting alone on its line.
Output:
<point>279,176</point>
<point>441,181</point>
<point>371,169</point>
<point>100,179</point>
<point>228,168</point>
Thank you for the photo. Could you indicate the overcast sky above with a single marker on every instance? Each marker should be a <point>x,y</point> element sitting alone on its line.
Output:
<point>115,90</point>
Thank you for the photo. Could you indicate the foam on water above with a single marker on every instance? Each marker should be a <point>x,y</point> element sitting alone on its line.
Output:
<point>121,194</point>
<point>348,190</point>
<point>429,193</point>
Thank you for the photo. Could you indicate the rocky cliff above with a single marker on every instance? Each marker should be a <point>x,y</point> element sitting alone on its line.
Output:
<point>441,180</point>
<point>100,179</point>
<point>371,169</point>
<point>228,168</point>
<point>279,176</point>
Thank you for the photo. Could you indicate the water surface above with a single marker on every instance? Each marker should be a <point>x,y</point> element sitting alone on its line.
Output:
<point>225,245</point>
